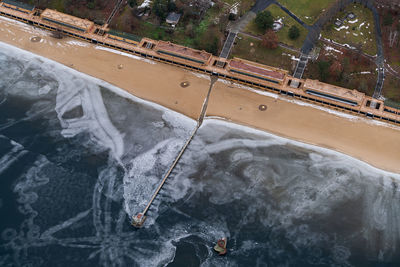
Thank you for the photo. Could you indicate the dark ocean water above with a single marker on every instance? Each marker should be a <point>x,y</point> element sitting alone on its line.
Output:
<point>78,157</point>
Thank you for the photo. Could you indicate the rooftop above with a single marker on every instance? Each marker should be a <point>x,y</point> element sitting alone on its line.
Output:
<point>182,50</point>
<point>333,90</point>
<point>68,19</point>
<point>173,17</point>
<point>257,69</point>
<point>19,4</point>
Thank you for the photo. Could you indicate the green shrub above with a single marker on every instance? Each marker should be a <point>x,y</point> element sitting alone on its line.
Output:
<point>294,32</point>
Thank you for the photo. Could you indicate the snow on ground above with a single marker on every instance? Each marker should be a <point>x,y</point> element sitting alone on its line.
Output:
<point>353,21</point>
<point>341,28</point>
<point>292,57</point>
<point>339,44</point>
<point>330,48</point>
<point>146,3</point>
<point>78,43</point>
<point>124,54</point>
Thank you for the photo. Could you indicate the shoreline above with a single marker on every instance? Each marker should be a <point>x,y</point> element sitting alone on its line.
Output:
<point>374,143</point>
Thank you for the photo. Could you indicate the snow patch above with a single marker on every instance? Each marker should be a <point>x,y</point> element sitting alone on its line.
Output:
<point>77,43</point>
<point>342,27</point>
<point>124,54</point>
<point>330,48</point>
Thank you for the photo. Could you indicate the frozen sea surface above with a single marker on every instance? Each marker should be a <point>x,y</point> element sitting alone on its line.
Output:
<point>79,157</point>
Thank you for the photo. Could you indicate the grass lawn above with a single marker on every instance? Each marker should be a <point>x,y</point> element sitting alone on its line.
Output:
<point>283,34</point>
<point>358,32</point>
<point>278,57</point>
<point>307,10</point>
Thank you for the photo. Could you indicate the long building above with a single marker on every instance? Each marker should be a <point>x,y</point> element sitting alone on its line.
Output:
<point>60,19</point>
<point>236,69</point>
<point>18,6</point>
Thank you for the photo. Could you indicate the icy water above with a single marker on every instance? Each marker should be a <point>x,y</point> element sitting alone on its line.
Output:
<point>78,157</point>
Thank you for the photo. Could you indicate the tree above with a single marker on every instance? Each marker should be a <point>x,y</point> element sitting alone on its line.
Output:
<point>270,39</point>
<point>264,20</point>
<point>189,31</point>
<point>294,32</point>
<point>160,8</point>
<point>388,19</point>
<point>132,3</point>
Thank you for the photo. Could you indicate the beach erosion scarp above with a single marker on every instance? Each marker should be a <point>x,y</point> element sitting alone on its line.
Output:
<point>373,142</point>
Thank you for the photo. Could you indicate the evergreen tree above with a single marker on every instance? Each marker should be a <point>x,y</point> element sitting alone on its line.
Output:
<point>264,20</point>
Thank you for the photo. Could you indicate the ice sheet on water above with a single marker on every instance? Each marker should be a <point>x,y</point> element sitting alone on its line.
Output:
<point>311,184</point>
<point>145,173</point>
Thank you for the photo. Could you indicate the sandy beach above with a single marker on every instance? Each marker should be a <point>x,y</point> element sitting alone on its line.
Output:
<point>373,142</point>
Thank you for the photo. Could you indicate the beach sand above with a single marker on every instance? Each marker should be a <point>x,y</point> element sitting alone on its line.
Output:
<point>373,142</point>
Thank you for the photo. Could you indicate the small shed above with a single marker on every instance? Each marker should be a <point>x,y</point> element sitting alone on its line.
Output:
<point>351,15</point>
<point>173,18</point>
<point>338,23</point>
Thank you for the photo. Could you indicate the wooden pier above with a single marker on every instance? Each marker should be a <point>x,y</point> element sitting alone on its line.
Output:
<point>139,219</point>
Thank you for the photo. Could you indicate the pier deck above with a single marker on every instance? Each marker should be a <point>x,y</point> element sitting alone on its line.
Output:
<point>142,216</point>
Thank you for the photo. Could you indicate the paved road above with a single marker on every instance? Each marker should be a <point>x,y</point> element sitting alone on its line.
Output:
<point>380,59</point>
<point>260,5</point>
<point>302,23</point>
